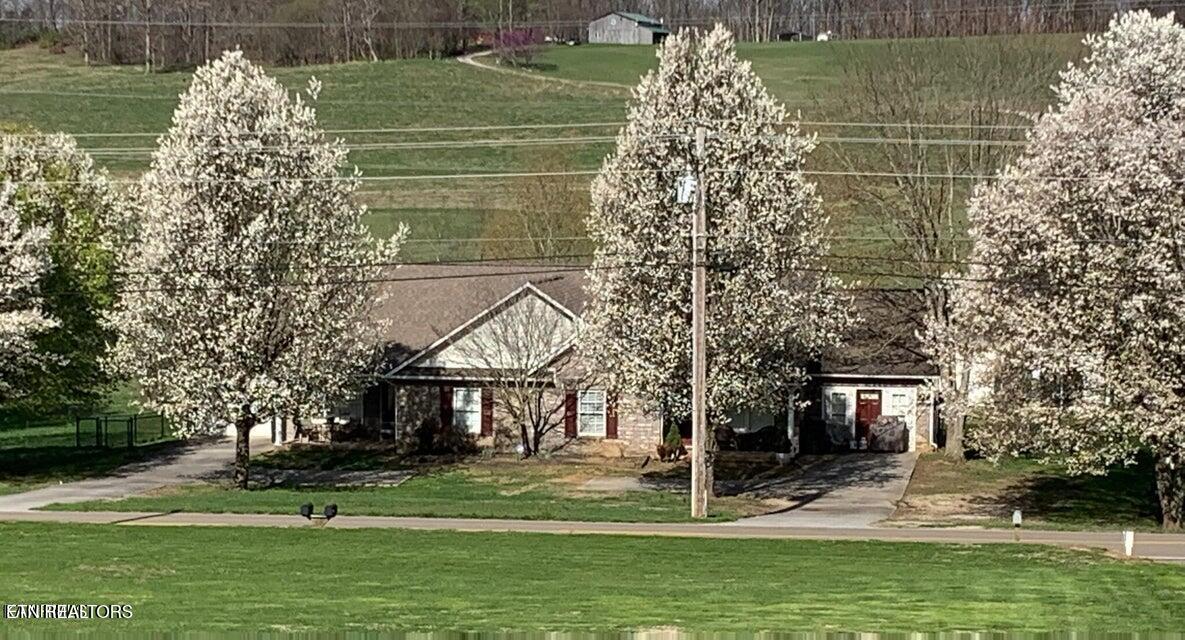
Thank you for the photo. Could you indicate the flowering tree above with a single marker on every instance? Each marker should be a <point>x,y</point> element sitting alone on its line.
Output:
<point>249,297</point>
<point>516,47</point>
<point>1073,317</point>
<point>771,304</point>
<point>58,188</point>
<point>24,261</point>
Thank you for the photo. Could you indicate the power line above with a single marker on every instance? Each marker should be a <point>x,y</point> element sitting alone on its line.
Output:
<point>524,24</point>
<point>249,269</point>
<point>568,125</point>
<point>950,278</point>
<point>586,140</point>
<point>588,172</point>
<point>525,239</point>
<point>379,130</point>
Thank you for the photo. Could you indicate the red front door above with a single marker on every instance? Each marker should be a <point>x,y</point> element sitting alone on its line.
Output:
<point>868,409</point>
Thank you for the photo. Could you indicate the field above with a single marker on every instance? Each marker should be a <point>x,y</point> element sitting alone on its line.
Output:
<point>243,579</point>
<point>59,93</point>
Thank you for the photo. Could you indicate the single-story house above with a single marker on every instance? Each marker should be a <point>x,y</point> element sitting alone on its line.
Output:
<point>623,27</point>
<point>454,331</point>
<point>880,371</point>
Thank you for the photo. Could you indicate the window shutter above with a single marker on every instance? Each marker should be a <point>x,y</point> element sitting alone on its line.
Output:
<point>570,414</point>
<point>446,408</point>
<point>611,416</point>
<point>487,412</point>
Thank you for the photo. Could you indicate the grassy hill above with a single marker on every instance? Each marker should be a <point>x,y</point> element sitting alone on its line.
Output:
<point>60,93</point>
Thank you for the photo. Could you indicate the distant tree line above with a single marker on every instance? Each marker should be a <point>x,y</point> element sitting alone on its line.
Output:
<point>183,33</point>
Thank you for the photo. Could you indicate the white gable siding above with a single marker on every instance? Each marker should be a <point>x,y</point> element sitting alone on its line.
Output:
<point>496,335</point>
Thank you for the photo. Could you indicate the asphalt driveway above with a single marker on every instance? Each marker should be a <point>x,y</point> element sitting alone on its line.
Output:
<point>840,491</point>
<point>186,464</point>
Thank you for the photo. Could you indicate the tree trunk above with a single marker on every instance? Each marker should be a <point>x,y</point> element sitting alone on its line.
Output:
<point>954,437</point>
<point>1170,487</point>
<point>956,427</point>
<point>525,438</point>
<point>538,436</point>
<point>243,450</point>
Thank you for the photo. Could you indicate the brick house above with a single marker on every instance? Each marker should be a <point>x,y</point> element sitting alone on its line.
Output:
<point>440,372</point>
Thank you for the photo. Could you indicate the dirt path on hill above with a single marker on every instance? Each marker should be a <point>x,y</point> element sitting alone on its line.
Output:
<point>471,60</point>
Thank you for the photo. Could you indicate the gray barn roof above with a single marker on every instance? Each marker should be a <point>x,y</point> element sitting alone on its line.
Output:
<point>642,20</point>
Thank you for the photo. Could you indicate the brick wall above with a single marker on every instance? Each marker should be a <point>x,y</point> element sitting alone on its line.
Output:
<point>637,431</point>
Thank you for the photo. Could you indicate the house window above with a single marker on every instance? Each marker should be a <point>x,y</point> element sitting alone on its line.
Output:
<point>838,408</point>
<point>898,404</point>
<point>467,409</point>
<point>590,413</point>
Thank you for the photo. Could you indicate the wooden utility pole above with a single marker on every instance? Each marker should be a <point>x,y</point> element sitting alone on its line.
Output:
<point>699,413</point>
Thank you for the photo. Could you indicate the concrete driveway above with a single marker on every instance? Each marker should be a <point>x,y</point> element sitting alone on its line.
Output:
<point>851,491</point>
<point>185,464</point>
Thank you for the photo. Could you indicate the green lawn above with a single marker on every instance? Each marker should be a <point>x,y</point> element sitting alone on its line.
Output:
<point>247,580</point>
<point>472,488</point>
<point>984,493</point>
<point>517,493</point>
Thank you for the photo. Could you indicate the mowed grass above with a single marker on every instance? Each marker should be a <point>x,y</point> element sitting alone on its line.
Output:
<point>248,579</point>
<point>516,490</point>
<point>59,93</point>
<point>805,76</point>
<point>800,74</point>
<point>985,493</point>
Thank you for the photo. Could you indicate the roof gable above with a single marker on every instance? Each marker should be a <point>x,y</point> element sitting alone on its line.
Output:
<point>526,330</point>
<point>420,303</point>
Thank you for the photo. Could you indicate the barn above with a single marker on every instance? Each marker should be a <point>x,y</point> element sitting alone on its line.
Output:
<point>622,27</point>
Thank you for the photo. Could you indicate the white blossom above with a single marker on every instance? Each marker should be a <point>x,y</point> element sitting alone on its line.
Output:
<point>58,187</point>
<point>1076,304</point>
<point>24,261</point>
<point>250,297</point>
<point>772,305</point>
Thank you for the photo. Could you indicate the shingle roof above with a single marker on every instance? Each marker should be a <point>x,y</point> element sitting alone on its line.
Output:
<point>884,342</point>
<point>426,302</point>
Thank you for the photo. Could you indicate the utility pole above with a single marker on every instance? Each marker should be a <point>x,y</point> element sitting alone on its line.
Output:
<point>699,413</point>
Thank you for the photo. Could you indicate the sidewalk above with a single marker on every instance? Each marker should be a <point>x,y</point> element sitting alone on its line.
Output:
<point>1151,546</point>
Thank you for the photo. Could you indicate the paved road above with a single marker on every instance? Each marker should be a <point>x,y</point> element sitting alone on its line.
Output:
<point>843,491</point>
<point>182,465</point>
<point>1160,547</point>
